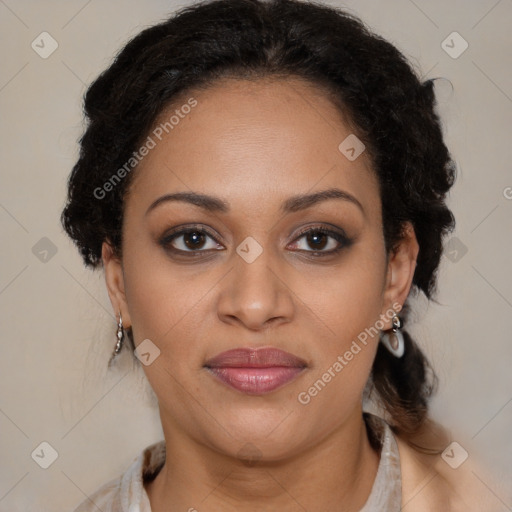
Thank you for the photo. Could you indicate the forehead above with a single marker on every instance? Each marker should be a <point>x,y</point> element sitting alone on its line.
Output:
<point>250,142</point>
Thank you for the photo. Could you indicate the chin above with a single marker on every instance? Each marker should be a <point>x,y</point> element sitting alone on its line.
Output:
<point>265,432</point>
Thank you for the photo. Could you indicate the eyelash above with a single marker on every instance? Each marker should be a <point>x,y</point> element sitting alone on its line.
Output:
<point>342,239</point>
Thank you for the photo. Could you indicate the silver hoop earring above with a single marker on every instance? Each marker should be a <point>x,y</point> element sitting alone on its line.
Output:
<point>120,339</point>
<point>393,339</point>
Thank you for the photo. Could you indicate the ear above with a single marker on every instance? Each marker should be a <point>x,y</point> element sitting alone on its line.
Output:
<point>114,279</point>
<point>400,271</point>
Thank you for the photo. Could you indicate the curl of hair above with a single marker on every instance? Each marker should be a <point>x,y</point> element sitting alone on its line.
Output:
<point>391,109</point>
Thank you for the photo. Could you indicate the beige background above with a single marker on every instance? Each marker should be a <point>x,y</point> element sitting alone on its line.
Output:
<point>57,324</point>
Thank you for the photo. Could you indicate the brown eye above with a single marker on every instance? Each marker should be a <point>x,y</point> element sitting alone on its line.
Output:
<point>317,240</point>
<point>193,240</point>
<point>320,238</point>
<point>189,240</point>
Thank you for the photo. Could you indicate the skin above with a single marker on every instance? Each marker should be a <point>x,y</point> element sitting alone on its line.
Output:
<point>254,145</point>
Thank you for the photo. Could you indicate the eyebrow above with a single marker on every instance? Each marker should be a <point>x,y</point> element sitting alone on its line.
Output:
<point>292,204</point>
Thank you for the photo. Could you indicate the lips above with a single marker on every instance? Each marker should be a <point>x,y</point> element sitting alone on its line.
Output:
<point>255,358</point>
<point>255,371</point>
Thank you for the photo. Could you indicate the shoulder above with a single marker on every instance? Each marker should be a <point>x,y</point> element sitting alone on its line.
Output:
<point>448,482</point>
<point>119,494</point>
<point>106,498</point>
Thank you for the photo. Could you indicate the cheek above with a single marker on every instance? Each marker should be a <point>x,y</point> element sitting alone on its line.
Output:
<point>335,391</point>
<point>157,295</point>
<point>346,308</point>
<point>167,305</point>
<point>349,297</point>
<point>163,308</point>
<point>346,311</point>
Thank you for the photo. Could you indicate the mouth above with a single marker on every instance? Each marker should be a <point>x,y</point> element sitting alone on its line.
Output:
<point>255,371</point>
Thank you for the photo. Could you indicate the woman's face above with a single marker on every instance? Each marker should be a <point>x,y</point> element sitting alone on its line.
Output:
<point>252,279</point>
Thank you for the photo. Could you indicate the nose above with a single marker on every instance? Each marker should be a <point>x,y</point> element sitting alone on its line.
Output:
<point>256,294</point>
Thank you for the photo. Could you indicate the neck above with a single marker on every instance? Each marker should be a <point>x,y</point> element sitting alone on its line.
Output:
<point>338,469</point>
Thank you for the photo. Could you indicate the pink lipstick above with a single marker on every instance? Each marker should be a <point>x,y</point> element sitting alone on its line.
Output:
<point>255,371</point>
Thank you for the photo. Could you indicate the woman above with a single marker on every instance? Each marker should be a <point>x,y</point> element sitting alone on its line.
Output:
<point>264,185</point>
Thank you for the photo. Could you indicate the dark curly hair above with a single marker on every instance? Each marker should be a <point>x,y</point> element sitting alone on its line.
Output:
<point>392,111</point>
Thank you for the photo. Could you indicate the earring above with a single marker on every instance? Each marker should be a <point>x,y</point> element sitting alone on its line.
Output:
<point>120,339</point>
<point>393,339</point>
